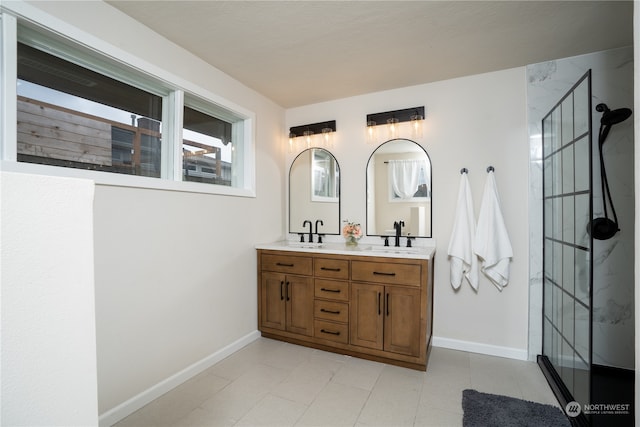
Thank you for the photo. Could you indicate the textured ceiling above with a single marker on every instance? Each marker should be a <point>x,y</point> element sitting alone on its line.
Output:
<point>304,52</point>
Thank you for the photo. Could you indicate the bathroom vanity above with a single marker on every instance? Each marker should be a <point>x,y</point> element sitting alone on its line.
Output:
<point>370,302</point>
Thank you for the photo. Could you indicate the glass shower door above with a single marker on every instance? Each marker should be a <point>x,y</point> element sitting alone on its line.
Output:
<point>567,249</point>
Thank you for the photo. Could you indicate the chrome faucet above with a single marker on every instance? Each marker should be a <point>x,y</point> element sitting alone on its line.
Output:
<point>306,221</point>
<point>398,226</point>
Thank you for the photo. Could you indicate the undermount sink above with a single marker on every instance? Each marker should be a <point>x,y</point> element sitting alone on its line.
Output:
<point>396,249</point>
<point>304,244</point>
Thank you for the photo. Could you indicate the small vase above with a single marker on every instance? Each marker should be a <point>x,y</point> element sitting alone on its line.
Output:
<point>351,241</point>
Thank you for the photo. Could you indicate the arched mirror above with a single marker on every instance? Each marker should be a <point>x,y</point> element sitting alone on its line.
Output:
<point>399,189</point>
<point>314,192</point>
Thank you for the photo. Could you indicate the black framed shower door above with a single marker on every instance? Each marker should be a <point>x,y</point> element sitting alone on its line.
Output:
<point>567,248</point>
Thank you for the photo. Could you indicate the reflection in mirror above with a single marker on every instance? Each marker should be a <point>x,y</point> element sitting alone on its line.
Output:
<point>324,177</point>
<point>399,189</point>
<point>314,192</point>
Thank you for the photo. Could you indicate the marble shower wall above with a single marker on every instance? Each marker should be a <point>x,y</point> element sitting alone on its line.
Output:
<point>613,281</point>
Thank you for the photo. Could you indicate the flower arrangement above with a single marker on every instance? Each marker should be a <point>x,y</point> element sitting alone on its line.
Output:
<point>352,232</point>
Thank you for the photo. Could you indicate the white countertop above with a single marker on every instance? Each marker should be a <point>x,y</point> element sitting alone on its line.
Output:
<point>417,252</point>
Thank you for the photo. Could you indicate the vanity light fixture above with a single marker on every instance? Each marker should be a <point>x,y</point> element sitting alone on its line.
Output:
<point>415,116</point>
<point>324,130</point>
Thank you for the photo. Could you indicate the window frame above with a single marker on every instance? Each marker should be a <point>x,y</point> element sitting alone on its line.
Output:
<point>27,24</point>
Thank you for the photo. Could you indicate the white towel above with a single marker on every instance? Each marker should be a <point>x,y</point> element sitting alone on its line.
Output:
<point>463,261</point>
<point>492,242</point>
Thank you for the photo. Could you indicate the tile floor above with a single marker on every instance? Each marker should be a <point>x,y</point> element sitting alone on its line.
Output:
<point>271,383</point>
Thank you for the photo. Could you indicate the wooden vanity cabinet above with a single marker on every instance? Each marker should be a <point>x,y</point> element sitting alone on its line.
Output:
<point>286,296</point>
<point>386,318</point>
<point>378,308</point>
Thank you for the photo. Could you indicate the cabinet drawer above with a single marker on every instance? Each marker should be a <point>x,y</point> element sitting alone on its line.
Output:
<point>332,268</point>
<point>287,264</point>
<point>383,272</point>
<point>338,332</point>
<point>332,289</point>
<point>330,310</point>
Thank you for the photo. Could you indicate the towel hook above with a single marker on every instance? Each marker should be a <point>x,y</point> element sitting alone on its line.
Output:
<point>490,169</point>
<point>464,170</point>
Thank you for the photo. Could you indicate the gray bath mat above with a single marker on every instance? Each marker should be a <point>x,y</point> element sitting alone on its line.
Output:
<point>492,410</point>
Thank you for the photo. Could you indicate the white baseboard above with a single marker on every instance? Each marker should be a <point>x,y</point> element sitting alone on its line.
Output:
<point>127,408</point>
<point>475,347</point>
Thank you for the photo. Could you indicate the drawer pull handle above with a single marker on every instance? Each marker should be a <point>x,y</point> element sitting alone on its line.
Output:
<point>330,290</point>
<point>324,310</point>
<point>381,273</point>
<point>282,264</point>
<point>329,269</point>
<point>324,331</point>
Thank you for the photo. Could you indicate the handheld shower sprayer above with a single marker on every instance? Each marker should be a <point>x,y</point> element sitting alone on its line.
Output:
<point>605,228</point>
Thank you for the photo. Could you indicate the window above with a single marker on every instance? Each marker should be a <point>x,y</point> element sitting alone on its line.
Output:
<point>73,117</point>
<point>207,148</point>
<point>325,177</point>
<point>409,180</point>
<point>78,110</point>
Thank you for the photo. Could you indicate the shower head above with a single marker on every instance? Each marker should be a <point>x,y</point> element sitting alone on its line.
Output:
<point>612,117</point>
<point>605,228</point>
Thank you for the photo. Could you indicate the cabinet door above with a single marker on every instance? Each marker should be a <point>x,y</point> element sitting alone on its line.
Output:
<point>299,303</point>
<point>367,318</point>
<point>402,320</point>
<point>273,300</point>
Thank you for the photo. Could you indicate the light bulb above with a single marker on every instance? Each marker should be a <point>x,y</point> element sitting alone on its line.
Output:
<point>327,137</point>
<point>292,137</point>
<point>393,127</point>
<point>307,137</point>
<point>371,131</point>
<point>416,126</point>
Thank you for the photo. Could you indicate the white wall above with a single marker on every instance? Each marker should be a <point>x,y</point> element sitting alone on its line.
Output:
<point>471,122</point>
<point>47,291</point>
<point>175,273</point>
